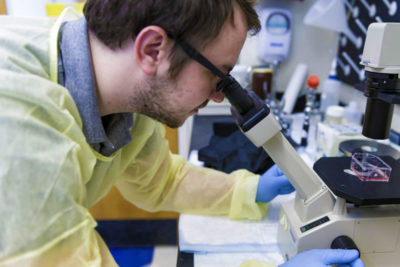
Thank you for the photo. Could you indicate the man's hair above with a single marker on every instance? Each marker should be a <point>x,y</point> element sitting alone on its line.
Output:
<point>196,21</point>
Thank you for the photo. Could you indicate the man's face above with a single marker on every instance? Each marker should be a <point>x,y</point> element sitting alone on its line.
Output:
<point>172,101</point>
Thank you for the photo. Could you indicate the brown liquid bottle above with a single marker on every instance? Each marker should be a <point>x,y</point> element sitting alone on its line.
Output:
<point>261,82</point>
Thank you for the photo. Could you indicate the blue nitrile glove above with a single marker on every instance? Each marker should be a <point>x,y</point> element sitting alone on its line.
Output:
<point>325,258</point>
<point>272,183</point>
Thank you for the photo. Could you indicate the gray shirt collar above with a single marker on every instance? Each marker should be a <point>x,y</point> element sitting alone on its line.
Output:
<point>106,134</point>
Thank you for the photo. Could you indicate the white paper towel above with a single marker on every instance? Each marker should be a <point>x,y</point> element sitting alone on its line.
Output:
<point>203,234</point>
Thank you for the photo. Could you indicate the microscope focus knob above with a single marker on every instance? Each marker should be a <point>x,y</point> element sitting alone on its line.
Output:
<point>344,242</point>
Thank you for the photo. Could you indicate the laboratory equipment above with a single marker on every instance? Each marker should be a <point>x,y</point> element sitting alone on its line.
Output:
<point>352,113</point>
<point>274,43</point>
<point>369,167</point>
<point>334,115</point>
<point>329,202</point>
<point>312,117</point>
<point>371,227</point>
<point>330,135</point>
<point>382,65</point>
<point>349,147</point>
<point>330,89</point>
<point>275,35</point>
<point>261,81</point>
<point>240,73</point>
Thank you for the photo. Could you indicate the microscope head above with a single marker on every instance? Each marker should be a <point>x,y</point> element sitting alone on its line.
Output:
<point>381,58</point>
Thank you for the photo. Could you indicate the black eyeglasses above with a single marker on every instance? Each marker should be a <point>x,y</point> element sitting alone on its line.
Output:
<point>236,95</point>
<point>225,79</point>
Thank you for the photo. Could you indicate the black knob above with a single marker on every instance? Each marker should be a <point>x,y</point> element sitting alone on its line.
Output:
<point>344,242</point>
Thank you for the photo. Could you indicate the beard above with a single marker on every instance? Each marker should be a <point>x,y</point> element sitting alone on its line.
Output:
<point>157,102</point>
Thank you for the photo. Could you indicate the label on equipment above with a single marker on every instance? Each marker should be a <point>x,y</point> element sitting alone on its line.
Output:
<point>314,224</point>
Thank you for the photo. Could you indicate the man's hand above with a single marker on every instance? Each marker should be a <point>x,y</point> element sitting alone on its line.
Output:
<point>325,258</point>
<point>272,183</point>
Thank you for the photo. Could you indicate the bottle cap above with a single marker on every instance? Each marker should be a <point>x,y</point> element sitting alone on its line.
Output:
<point>313,81</point>
<point>335,111</point>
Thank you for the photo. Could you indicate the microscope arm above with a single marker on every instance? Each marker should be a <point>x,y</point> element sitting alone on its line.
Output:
<point>313,197</point>
<point>255,120</point>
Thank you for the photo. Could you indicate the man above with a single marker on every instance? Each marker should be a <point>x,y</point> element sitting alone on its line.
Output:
<point>79,105</point>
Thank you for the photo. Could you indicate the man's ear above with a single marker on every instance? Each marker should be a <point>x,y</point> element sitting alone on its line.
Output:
<point>151,48</point>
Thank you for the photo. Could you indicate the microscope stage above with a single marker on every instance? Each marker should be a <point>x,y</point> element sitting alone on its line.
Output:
<point>350,187</point>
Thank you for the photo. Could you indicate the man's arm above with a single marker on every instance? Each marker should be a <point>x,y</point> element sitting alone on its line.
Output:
<point>158,180</point>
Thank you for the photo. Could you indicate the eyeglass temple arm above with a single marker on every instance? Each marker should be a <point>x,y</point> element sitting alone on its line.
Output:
<point>191,52</point>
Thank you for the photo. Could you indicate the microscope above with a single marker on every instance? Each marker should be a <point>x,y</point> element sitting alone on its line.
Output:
<point>333,208</point>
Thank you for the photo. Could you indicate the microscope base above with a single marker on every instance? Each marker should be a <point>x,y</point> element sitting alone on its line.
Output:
<point>374,229</point>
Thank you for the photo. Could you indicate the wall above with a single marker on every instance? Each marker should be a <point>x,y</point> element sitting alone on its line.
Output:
<point>310,45</point>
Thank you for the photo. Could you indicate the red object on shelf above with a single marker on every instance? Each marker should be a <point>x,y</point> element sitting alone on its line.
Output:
<point>313,81</point>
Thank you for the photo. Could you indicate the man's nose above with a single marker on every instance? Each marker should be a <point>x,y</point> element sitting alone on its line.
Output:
<point>217,96</point>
